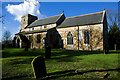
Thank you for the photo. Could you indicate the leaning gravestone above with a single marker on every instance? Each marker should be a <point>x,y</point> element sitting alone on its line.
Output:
<point>39,68</point>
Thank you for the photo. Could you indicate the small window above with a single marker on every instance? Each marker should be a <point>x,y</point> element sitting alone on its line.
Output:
<point>33,28</point>
<point>69,38</point>
<point>24,19</point>
<point>38,38</point>
<point>45,26</point>
<point>86,37</point>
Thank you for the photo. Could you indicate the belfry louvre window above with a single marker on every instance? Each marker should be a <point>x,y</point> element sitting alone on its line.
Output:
<point>38,38</point>
<point>69,38</point>
<point>86,37</point>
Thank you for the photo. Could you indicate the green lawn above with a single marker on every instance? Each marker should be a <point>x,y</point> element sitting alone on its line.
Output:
<point>16,64</point>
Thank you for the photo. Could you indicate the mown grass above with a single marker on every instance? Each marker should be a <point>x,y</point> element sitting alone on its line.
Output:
<point>16,64</point>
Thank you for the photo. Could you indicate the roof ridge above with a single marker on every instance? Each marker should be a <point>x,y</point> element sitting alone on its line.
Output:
<point>84,15</point>
<point>103,15</point>
<point>59,17</point>
<point>49,17</point>
<point>44,19</point>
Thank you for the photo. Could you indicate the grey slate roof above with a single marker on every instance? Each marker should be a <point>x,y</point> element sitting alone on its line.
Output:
<point>44,21</point>
<point>35,31</point>
<point>88,19</point>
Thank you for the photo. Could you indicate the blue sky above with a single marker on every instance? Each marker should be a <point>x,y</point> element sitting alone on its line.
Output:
<point>47,9</point>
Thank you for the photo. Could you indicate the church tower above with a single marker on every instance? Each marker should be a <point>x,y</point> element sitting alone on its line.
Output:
<point>27,20</point>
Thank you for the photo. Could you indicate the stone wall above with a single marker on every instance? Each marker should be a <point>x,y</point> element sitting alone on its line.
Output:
<point>40,27</point>
<point>27,20</point>
<point>95,40</point>
<point>24,22</point>
<point>95,37</point>
<point>63,33</point>
<point>34,43</point>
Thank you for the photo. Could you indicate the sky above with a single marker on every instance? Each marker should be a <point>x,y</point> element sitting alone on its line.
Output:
<point>12,11</point>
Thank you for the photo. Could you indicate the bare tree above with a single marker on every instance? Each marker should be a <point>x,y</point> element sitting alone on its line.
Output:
<point>114,30</point>
<point>7,38</point>
<point>112,15</point>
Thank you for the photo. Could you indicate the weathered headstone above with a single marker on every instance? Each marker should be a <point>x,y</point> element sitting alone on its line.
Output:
<point>39,68</point>
<point>47,52</point>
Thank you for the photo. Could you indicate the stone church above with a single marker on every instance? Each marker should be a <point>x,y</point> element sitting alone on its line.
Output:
<point>84,32</point>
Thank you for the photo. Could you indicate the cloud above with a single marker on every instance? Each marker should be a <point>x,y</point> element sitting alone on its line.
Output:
<point>4,28</point>
<point>18,29</point>
<point>27,7</point>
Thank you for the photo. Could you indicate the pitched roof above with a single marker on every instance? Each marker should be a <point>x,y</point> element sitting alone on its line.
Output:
<point>35,31</point>
<point>44,21</point>
<point>87,19</point>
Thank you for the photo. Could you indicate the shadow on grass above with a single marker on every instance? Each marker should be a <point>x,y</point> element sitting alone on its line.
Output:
<point>15,52</point>
<point>68,55</point>
<point>59,74</point>
<point>114,52</point>
<point>73,72</point>
<point>73,52</point>
<point>20,61</point>
<point>55,53</point>
<point>14,77</point>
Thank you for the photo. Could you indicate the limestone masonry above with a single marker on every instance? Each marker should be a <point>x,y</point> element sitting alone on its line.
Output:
<point>84,32</point>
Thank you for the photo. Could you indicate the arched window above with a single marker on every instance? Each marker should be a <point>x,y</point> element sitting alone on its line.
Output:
<point>86,37</point>
<point>39,39</point>
<point>69,38</point>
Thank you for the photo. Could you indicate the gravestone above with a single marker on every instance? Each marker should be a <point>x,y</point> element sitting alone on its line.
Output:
<point>47,52</point>
<point>39,68</point>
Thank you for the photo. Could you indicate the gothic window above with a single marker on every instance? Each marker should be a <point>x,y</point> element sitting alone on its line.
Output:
<point>38,38</point>
<point>69,38</point>
<point>86,37</point>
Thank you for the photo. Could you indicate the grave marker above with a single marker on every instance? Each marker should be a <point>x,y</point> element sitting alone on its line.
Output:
<point>39,68</point>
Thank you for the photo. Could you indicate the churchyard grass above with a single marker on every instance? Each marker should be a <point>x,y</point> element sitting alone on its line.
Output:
<point>64,64</point>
